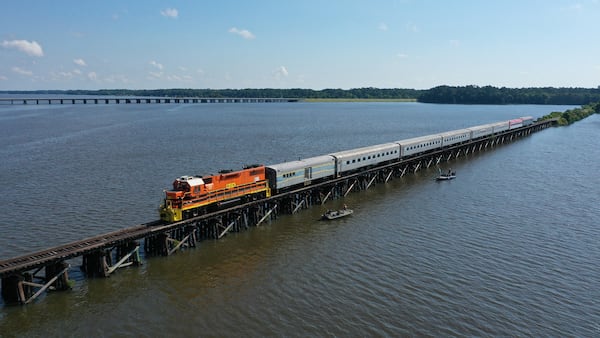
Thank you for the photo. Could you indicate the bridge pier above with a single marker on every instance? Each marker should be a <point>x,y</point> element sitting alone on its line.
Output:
<point>21,288</point>
<point>126,254</point>
<point>13,291</point>
<point>168,242</point>
<point>60,270</point>
<point>99,263</point>
<point>156,245</point>
<point>183,239</point>
<point>95,264</point>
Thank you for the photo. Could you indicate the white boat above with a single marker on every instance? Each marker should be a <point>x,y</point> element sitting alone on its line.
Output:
<point>445,177</point>
<point>333,214</point>
<point>450,175</point>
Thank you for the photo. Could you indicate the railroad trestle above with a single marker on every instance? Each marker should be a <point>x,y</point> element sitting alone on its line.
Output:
<point>22,282</point>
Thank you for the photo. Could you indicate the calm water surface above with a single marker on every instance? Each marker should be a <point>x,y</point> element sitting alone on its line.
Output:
<point>509,248</point>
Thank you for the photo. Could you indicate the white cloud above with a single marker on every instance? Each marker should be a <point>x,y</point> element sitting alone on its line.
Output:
<point>454,43</point>
<point>243,33</point>
<point>30,48</point>
<point>22,71</point>
<point>92,76</point>
<point>280,72</point>
<point>402,56</point>
<point>156,64</point>
<point>80,62</point>
<point>3,78</point>
<point>170,13</point>
<point>382,26</point>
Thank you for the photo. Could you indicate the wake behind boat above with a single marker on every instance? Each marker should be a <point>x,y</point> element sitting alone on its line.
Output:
<point>334,214</point>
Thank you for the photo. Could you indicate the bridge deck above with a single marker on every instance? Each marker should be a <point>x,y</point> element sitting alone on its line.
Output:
<point>74,249</point>
<point>135,100</point>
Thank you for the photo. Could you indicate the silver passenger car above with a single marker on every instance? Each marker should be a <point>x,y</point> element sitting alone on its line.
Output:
<point>455,136</point>
<point>420,144</point>
<point>481,131</point>
<point>299,173</point>
<point>500,126</point>
<point>350,160</point>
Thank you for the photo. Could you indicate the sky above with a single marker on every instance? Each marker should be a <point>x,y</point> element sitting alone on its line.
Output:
<point>314,44</point>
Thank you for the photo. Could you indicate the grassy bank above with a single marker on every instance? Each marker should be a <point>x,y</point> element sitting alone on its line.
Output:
<point>573,115</point>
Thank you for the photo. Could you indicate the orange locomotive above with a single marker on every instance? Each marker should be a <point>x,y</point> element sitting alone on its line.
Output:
<point>192,195</point>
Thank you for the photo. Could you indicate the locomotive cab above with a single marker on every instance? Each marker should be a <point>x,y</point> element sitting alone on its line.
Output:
<point>184,188</point>
<point>187,186</point>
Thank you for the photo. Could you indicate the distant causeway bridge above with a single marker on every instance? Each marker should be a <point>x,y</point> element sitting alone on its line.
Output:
<point>26,277</point>
<point>137,100</point>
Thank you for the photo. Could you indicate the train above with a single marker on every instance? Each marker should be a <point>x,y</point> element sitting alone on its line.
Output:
<point>192,196</point>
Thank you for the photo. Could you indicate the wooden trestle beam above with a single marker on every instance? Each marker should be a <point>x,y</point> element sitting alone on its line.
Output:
<point>298,206</point>
<point>178,244</point>
<point>42,288</point>
<point>123,261</point>
<point>349,189</point>
<point>371,181</point>
<point>389,176</point>
<point>229,227</point>
<point>266,215</point>
<point>326,197</point>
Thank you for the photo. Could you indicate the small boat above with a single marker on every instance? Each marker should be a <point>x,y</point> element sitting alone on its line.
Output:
<point>446,177</point>
<point>333,214</point>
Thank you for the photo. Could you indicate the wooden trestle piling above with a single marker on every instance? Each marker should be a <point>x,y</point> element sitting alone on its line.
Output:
<point>23,288</point>
<point>99,263</point>
<point>21,283</point>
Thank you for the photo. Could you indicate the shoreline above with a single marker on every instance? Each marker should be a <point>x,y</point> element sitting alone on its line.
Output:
<point>359,100</point>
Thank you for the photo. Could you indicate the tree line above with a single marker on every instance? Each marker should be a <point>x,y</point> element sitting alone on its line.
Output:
<point>494,95</point>
<point>441,94</point>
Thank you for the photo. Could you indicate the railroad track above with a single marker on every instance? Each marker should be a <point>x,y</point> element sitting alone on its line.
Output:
<point>67,251</point>
<point>77,248</point>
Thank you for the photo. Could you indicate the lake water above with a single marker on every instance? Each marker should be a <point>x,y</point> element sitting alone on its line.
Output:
<point>509,248</point>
